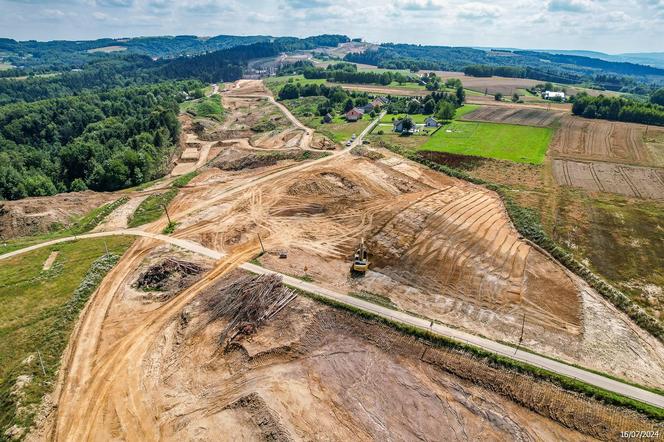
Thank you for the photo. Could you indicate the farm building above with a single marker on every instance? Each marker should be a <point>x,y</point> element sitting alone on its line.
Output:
<point>431,122</point>
<point>367,108</point>
<point>550,95</point>
<point>354,114</point>
<point>327,118</point>
<point>379,101</point>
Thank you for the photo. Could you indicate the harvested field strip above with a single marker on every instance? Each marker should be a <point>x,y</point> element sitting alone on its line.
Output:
<point>633,181</point>
<point>582,139</point>
<point>514,115</point>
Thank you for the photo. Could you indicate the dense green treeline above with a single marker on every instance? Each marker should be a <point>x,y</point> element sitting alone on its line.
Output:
<point>112,124</point>
<point>536,65</point>
<point>102,141</point>
<point>348,73</point>
<point>129,70</point>
<point>618,108</point>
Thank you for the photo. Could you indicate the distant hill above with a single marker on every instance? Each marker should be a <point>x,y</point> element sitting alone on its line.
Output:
<point>654,59</point>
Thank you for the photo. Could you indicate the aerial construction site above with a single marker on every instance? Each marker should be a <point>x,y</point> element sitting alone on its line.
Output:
<point>301,289</point>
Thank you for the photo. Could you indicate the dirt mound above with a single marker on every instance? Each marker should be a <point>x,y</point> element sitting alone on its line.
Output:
<point>170,274</point>
<point>327,184</point>
<point>30,216</point>
<point>254,160</point>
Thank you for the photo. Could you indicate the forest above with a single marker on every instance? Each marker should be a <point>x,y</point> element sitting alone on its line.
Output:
<point>101,141</point>
<point>618,109</point>
<point>113,123</point>
<point>536,65</point>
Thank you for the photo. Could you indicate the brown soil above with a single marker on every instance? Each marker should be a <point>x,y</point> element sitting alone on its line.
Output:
<point>32,216</point>
<point>439,247</point>
<point>585,139</point>
<point>514,115</point>
<point>633,181</point>
<point>310,372</point>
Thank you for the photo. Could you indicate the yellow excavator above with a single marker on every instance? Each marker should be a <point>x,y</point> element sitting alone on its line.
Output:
<point>361,258</point>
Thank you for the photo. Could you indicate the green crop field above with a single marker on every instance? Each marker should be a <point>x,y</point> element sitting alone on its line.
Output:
<point>207,107</point>
<point>38,309</point>
<point>521,144</point>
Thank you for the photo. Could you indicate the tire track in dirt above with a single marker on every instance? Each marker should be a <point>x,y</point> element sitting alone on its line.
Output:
<point>115,382</point>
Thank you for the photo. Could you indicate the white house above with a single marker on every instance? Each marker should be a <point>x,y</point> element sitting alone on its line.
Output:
<point>550,95</point>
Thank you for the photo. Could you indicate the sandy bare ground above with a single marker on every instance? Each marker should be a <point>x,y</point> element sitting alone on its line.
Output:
<point>30,216</point>
<point>119,218</point>
<point>440,247</point>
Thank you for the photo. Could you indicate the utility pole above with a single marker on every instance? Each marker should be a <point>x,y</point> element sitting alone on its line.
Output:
<point>261,241</point>
<point>167,215</point>
<point>523,324</point>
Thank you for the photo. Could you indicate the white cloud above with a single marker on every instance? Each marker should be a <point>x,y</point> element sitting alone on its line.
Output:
<point>478,11</point>
<point>608,25</point>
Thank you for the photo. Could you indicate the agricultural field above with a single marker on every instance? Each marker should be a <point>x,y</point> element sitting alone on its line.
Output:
<point>514,115</point>
<point>632,181</point>
<point>521,144</point>
<point>108,49</point>
<point>48,287</point>
<point>607,156</point>
<point>626,143</point>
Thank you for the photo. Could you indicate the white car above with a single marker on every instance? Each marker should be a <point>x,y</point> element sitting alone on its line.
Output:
<point>349,143</point>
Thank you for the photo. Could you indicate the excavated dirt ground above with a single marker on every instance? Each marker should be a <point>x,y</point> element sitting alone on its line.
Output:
<point>440,247</point>
<point>31,216</point>
<point>310,373</point>
<point>148,368</point>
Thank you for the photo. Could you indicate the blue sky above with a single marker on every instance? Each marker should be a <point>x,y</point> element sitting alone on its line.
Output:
<point>611,26</point>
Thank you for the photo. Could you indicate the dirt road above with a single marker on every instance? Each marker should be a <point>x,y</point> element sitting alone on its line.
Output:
<point>402,317</point>
<point>108,388</point>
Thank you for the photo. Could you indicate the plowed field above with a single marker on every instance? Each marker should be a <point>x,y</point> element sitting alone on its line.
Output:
<point>586,139</point>
<point>634,181</point>
<point>514,115</point>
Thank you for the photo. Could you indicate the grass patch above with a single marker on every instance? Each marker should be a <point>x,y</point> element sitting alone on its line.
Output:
<point>152,208</point>
<point>38,310</point>
<point>170,228</point>
<point>492,359</point>
<point>82,225</point>
<point>374,298</point>
<point>275,84</point>
<point>184,179</point>
<point>206,107</point>
<point>465,109</point>
<point>339,130</point>
<point>521,144</point>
